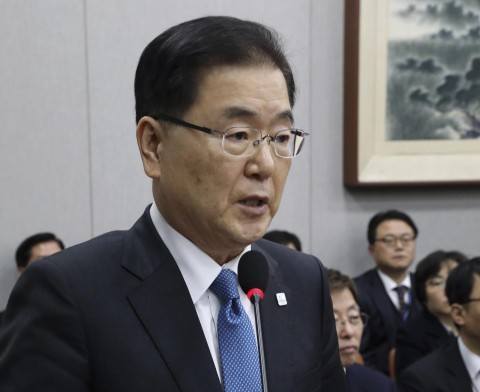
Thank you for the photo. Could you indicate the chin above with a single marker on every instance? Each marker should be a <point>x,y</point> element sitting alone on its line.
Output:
<point>248,237</point>
<point>347,361</point>
<point>254,232</point>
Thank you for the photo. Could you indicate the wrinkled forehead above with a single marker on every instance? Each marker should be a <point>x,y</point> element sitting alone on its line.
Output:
<point>243,92</point>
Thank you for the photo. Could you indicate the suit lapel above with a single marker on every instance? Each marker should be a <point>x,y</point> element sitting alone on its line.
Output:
<point>459,379</point>
<point>277,330</point>
<point>164,306</point>
<point>389,313</point>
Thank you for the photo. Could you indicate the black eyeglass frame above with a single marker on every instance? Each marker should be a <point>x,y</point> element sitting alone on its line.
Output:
<point>210,131</point>
<point>363,318</point>
<point>391,241</point>
<point>470,300</point>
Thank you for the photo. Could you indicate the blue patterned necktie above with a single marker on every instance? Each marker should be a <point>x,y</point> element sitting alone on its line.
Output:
<point>236,340</point>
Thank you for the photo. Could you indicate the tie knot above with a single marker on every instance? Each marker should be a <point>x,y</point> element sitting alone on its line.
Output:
<point>401,290</point>
<point>225,286</point>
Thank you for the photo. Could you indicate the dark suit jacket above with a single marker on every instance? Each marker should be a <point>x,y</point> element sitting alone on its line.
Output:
<point>380,333</point>
<point>363,379</point>
<point>419,337</point>
<point>442,370</point>
<point>114,314</point>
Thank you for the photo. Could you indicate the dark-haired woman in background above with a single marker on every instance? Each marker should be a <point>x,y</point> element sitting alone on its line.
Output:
<point>434,326</point>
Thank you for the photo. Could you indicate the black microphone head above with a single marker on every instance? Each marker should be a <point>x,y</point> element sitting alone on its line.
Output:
<point>253,272</point>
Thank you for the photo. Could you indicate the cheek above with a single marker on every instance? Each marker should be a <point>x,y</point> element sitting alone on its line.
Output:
<point>357,335</point>
<point>383,254</point>
<point>280,174</point>
<point>436,297</point>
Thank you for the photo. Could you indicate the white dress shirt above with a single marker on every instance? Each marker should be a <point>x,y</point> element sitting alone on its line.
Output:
<point>390,286</point>
<point>199,271</point>
<point>472,363</point>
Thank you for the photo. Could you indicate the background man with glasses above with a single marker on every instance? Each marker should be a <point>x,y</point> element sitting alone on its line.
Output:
<point>350,322</point>
<point>143,309</point>
<point>385,292</point>
<point>454,366</point>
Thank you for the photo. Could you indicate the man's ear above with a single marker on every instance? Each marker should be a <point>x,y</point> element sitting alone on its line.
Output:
<point>149,139</point>
<point>458,314</point>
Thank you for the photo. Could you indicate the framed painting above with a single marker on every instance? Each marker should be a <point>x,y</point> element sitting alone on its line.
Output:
<point>412,93</point>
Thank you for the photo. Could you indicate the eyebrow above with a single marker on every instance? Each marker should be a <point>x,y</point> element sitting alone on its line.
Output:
<point>351,307</point>
<point>238,111</point>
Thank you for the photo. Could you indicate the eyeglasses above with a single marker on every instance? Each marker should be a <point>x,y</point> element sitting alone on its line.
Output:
<point>436,282</point>
<point>355,320</point>
<point>242,141</point>
<point>471,300</point>
<point>391,240</point>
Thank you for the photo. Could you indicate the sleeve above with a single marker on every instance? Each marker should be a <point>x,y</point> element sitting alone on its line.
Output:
<point>42,341</point>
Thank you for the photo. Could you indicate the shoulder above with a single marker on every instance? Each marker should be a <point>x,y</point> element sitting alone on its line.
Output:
<point>368,285</point>
<point>369,379</point>
<point>432,364</point>
<point>108,251</point>
<point>366,278</point>
<point>90,254</point>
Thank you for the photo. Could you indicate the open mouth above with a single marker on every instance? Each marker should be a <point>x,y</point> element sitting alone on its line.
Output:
<point>253,202</point>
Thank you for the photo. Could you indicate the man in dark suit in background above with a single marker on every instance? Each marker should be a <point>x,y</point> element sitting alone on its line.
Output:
<point>37,247</point>
<point>137,310</point>
<point>385,292</point>
<point>34,248</point>
<point>454,366</point>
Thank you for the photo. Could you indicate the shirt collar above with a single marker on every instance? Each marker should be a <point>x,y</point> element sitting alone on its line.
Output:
<point>390,284</point>
<point>198,269</point>
<point>470,359</point>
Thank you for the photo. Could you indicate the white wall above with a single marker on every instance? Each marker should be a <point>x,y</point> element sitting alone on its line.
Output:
<point>68,153</point>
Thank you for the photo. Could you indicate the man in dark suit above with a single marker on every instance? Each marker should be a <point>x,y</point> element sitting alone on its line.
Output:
<point>454,366</point>
<point>385,292</point>
<point>34,248</point>
<point>137,310</point>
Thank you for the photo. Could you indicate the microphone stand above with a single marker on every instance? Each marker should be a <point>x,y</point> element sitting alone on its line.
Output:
<point>256,304</point>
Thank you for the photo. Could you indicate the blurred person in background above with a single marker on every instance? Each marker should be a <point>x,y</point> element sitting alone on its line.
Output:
<point>285,238</point>
<point>434,326</point>
<point>385,292</point>
<point>37,247</point>
<point>350,322</point>
<point>34,248</point>
<point>454,366</point>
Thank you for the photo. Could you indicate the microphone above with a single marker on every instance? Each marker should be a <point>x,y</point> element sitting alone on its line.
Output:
<point>253,279</point>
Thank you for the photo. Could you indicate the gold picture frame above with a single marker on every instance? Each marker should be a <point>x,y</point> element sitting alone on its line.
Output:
<point>370,160</point>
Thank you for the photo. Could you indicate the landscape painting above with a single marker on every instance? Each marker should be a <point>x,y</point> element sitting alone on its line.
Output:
<point>433,70</point>
<point>411,93</point>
